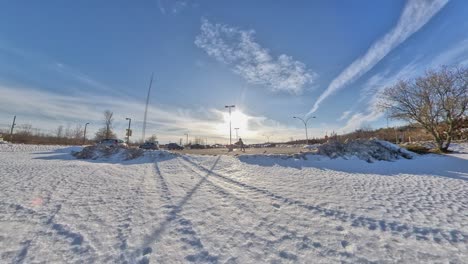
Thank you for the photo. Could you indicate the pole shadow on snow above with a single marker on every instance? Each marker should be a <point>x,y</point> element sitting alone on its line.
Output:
<point>394,227</point>
<point>173,215</point>
<point>447,166</point>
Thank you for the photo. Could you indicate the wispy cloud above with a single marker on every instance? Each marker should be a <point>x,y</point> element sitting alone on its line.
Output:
<point>47,110</point>
<point>50,66</point>
<point>239,49</point>
<point>344,115</point>
<point>456,54</point>
<point>415,15</point>
<point>174,6</point>
<point>371,93</point>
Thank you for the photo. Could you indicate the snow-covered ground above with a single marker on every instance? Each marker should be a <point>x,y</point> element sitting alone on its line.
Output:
<point>166,208</point>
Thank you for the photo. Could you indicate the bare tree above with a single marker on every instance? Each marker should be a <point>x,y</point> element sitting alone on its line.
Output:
<point>78,133</point>
<point>106,131</point>
<point>153,138</point>
<point>59,131</point>
<point>68,131</point>
<point>437,101</point>
<point>108,119</point>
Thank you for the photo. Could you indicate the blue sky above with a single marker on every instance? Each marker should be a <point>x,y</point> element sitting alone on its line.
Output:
<point>65,62</point>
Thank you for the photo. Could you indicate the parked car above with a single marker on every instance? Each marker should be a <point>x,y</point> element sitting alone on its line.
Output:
<point>174,146</point>
<point>111,142</point>
<point>197,146</point>
<point>150,145</point>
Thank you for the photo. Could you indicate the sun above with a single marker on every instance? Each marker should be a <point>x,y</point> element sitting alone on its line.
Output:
<point>238,120</point>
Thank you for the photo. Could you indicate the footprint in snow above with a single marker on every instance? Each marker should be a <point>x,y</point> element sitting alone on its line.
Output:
<point>344,243</point>
<point>339,228</point>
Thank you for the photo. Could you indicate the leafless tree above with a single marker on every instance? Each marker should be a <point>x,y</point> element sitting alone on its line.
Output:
<point>437,101</point>
<point>106,131</point>
<point>59,131</point>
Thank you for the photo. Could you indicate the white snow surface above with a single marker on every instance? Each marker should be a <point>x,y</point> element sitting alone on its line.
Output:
<point>168,208</point>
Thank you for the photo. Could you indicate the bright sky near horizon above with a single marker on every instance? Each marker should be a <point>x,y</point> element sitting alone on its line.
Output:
<point>65,62</point>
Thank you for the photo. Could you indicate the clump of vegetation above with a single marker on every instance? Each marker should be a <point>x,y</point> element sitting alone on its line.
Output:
<point>418,149</point>
<point>438,101</point>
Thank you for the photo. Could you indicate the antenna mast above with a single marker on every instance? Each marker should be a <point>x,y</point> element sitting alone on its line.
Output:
<point>146,107</point>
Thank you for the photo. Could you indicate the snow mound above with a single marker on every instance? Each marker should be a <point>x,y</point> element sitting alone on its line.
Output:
<point>106,152</point>
<point>117,154</point>
<point>369,150</point>
<point>11,147</point>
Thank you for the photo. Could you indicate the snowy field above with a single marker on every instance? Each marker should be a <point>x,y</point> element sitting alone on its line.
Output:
<point>166,208</point>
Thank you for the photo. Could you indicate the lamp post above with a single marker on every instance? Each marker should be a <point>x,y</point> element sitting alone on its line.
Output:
<point>84,134</point>
<point>237,133</point>
<point>230,130</point>
<point>128,130</point>
<point>305,125</point>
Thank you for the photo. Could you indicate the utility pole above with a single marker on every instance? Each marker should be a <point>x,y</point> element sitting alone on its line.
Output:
<point>129,132</point>
<point>237,133</point>
<point>146,107</point>
<point>84,134</point>
<point>12,127</point>
<point>230,130</point>
<point>305,125</point>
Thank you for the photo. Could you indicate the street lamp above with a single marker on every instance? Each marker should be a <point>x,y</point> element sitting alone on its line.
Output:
<point>237,133</point>
<point>84,134</point>
<point>230,130</point>
<point>128,130</point>
<point>305,125</point>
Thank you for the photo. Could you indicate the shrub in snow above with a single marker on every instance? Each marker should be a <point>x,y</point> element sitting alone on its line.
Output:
<point>365,149</point>
<point>98,152</point>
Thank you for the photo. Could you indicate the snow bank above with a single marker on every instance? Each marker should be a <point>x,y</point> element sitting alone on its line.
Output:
<point>106,152</point>
<point>364,149</point>
<point>459,147</point>
<point>9,147</point>
<point>368,150</point>
<point>117,154</point>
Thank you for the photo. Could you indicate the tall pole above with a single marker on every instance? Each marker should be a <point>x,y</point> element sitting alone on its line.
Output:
<point>230,129</point>
<point>146,107</point>
<point>128,131</point>
<point>305,126</point>
<point>237,132</point>
<point>84,134</point>
<point>12,127</point>
<point>186,141</point>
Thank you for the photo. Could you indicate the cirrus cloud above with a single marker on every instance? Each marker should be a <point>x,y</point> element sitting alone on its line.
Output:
<point>415,15</point>
<point>247,58</point>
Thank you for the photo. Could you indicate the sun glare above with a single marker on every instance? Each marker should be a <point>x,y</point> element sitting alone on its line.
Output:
<point>238,120</point>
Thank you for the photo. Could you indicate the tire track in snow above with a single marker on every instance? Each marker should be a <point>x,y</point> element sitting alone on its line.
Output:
<point>303,242</point>
<point>50,226</point>
<point>396,228</point>
<point>183,226</point>
<point>125,228</point>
